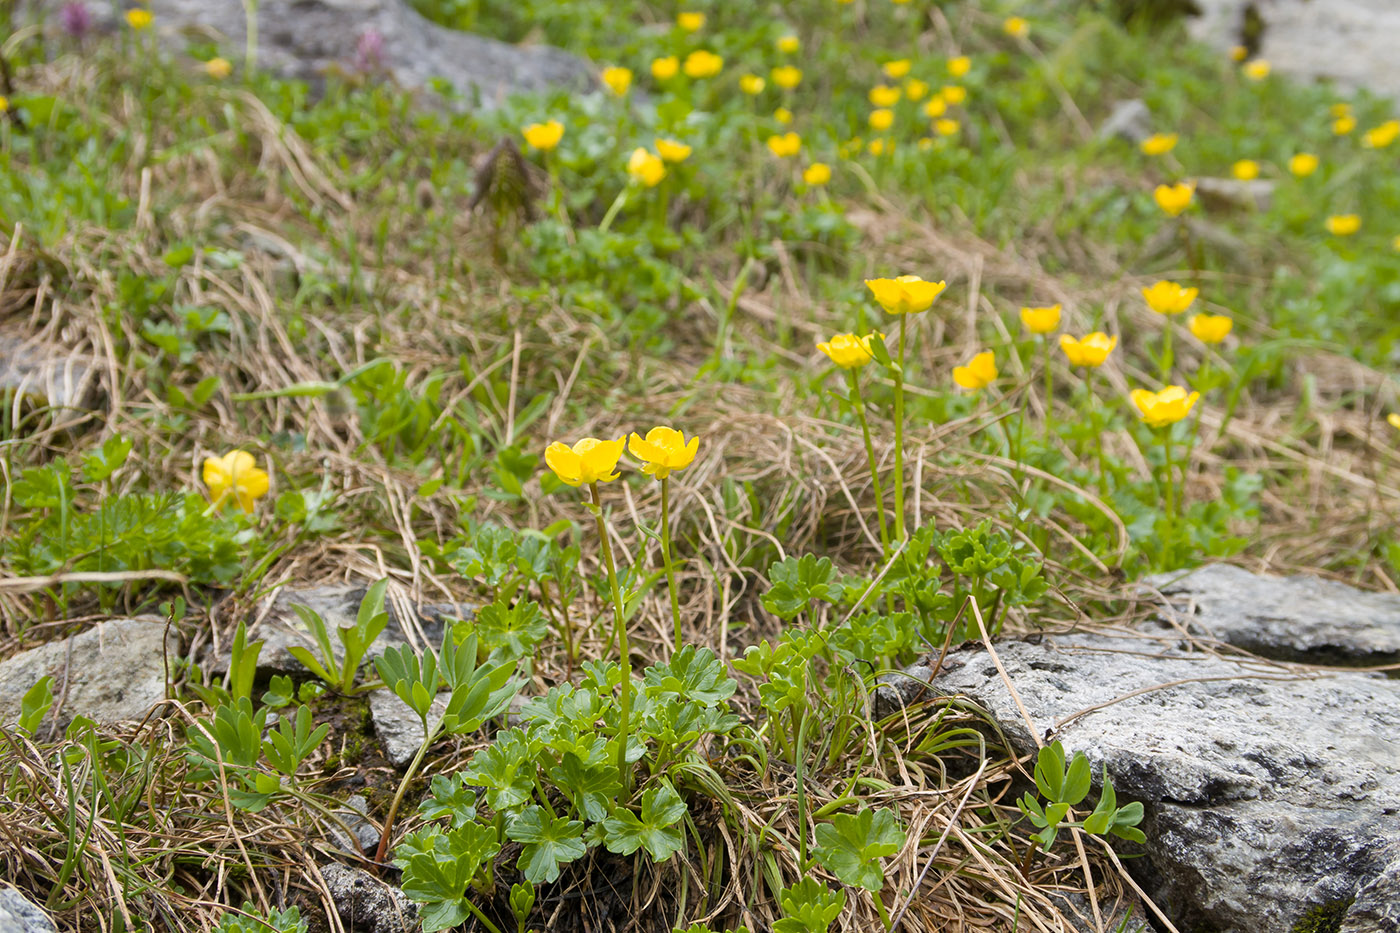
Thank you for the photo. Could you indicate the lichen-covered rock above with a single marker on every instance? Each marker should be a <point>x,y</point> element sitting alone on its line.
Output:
<point>366,904</point>
<point>45,374</point>
<point>19,915</point>
<point>1268,791</point>
<point>1377,905</point>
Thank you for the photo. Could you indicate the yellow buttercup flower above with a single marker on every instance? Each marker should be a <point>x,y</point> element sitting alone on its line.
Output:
<point>907,294</point>
<point>4,104</point>
<point>672,151</point>
<point>139,18</point>
<point>980,372</point>
<point>1303,164</point>
<point>1382,136</point>
<point>691,22</point>
<point>663,451</point>
<point>1090,352</point>
<point>925,144</point>
<point>587,462</point>
<point>1340,109</point>
<point>543,136</point>
<point>1041,320</point>
<point>896,69</point>
<point>751,84</point>
<point>1210,328</point>
<point>789,44</point>
<point>946,127</point>
<point>1238,53</point>
<point>785,146</point>
<point>1395,244</point>
<point>702,64</point>
<point>1257,69</point>
<point>618,79</point>
<point>1173,199</point>
<point>1393,419</point>
<point>1344,124</point>
<point>881,119</point>
<point>1169,406</point>
<point>882,95</point>
<point>1169,298</point>
<point>1245,170</point>
<point>235,474</point>
<point>1016,26</point>
<point>959,66</point>
<point>787,77</point>
<point>954,94</point>
<point>849,351</point>
<point>1158,144</point>
<point>915,89</point>
<point>1343,224</point>
<point>664,68</point>
<point>877,147</point>
<point>817,174</point>
<point>936,107</point>
<point>645,168</point>
<point>783,116</point>
<point>218,68</point>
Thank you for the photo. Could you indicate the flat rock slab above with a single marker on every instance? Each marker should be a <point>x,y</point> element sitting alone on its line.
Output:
<point>1352,42</point>
<point>116,672</point>
<point>44,373</point>
<point>1286,618</point>
<point>367,904</point>
<point>1268,791</point>
<point>399,729</point>
<point>19,915</point>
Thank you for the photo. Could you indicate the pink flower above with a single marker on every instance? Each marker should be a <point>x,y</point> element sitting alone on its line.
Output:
<point>75,19</point>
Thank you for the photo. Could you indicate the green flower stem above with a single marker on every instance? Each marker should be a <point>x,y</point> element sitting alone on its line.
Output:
<point>1170,543</point>
<point>670,568</point>
<point>250,48</point>
<point>1049,392</point>
<point>1167,351</point>
<point>612,213</point>
<point>476,911</point>
<point>899,433</point>
<point>858,404</point>
<point>1094,421</point>
<point>620,624</point>
<point>429,736</point>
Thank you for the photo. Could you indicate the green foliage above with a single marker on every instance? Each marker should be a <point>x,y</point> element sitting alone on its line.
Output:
<point>809,907</point>
<point>438,868</point>
<point>851,846</point>
<point>251,920</point>
<point>654,829</point>
<point>35,705</point>
<point>1064,786</point>
<point>355,640</point>
<point>797,581</point>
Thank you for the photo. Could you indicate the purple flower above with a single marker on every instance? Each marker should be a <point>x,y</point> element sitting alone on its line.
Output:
<point>75,19</point>
<point>369,51</point>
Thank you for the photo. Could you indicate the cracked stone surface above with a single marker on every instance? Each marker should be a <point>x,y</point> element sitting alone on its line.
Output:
<point>19,915</point>
<point>1268,790</point>
<point>1286,618</point>
<point>366,904</point>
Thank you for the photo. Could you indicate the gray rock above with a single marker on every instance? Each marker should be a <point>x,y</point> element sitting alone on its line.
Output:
<point>116,672</point>
<point>1286,618</point>
<point>45,374</point>
<point>1267,791</point>
<point>355,815</point>
<point>1257,193</point>
<point>1377,905</point>
<point>1129,120</point>
<point>366,904</point>
<point>19,915</point>
<point>1352,42</point>
<point>399,729</point>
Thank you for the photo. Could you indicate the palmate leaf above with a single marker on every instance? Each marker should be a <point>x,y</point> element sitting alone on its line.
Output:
<point>655,830</point>
<point>591,788</point>
<point>851,846</point>
<point>505,769</point>
<point>693,674</point>
<point>798,581</point>
<point>548,843</point>
<point>809,907</point>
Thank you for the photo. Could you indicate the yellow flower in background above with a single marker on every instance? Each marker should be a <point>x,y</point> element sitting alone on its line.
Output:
<point>882,95</point>
<point>1381,136</point>
<point>936,107</point>
<point>1340,109</point>
<point>925,144</point>
<point>1344,124</point>
<point>618,79</point>
<point>1041,320</point>
<point>1395,244</point>
<point>959,66</point>
<point>1016,26</point>
<point>587,462</point>
<point>1169,298</point>
<point>139,18</point>
<point>881,119</point>
<point>1257,69</point>
<point>664,68</point>
<point>672,151</point>
<point>789,44</point>
<point>817,174</point>
<point>235,473</point>
<point>702,64</point>
<point>646,168</point>
<point>1210,328</point>
<point>1169,406</point>
<point>946,127</point>
<point>785,146</point>
<point>1173,199</point>
<point>4,104</point>
<point>1238,53</point>
<point>1158,144</point>
<point>663,451</point>
<point>907,294</point>
<point>752,84</point>
<point>1303,164</point>
<point>691,22</point>
<point>897,69</point>
<point>787,77</point>
<point>1089,352</point>
<point>543,136</point>
<point>915,89</point>
<point>1245,170</point>
<point>218,68</point>
<point>849,351</point>
<point>783,115</point>
<point>1343,224</point>
<point>954,94</point>
<point>1393,419</point>
<point>877,147</point>
<point>980,372</point>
